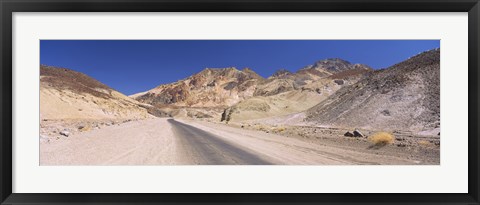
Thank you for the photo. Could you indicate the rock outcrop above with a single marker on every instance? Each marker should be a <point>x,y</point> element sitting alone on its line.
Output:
<point>208,88</point>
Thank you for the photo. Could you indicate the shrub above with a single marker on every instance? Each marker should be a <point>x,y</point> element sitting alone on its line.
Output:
<point>424,143</point>
<point>382,138</point>
<point>84,128</point>
<point>279,129</point>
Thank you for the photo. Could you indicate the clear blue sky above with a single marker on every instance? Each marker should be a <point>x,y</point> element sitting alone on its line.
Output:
<point>132,66</point>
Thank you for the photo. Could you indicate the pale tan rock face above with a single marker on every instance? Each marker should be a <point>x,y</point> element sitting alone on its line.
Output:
<point>67,94</point>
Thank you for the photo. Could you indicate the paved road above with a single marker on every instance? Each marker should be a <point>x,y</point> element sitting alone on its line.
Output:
<point>202,147</point>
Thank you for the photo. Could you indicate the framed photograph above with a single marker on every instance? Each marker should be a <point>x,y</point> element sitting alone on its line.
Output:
<point>227,102</point>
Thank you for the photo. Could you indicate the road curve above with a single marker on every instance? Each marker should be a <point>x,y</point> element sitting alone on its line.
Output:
<point>202,147</point>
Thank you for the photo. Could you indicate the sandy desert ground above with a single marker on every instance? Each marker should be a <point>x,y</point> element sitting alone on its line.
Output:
<point>168,141</point>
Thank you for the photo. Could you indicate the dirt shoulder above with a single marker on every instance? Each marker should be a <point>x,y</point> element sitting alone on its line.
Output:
<point>311,147</point>
<point>143,142</point>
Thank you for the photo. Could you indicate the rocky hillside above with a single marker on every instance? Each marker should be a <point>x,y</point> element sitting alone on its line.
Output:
<point>405,96</point>
<point>285,92</point>
<point>208,88</point>
<point>309,77</point>
<point>67,94</point>
<point>225,87</point>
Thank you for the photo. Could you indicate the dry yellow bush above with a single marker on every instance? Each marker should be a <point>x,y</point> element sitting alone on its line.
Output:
<point>424,143</point>
<point>84,128</point>
<point>279,129</point>
<point>382,138</point>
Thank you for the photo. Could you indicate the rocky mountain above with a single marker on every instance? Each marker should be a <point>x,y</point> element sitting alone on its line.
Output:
<point>285,92</point>
<point>208,88</point>
<point>67,94</point>
<point>328,67</point>
<point>306,78</point>
<point>223,87</point>
<point>405,96</point>
<point>282,73</point>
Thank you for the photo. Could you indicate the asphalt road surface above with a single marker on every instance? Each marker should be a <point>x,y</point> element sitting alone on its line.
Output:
<point>203,147</point>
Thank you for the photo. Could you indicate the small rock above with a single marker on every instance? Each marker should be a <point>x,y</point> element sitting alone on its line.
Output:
<point>339,82</point>
<point>44,139</point>
<point>386,112</point>
<point>401,145</point>
<point>357,133</point>
<point>437,143</point>
<point>65,133</point>
<point>348,134</point>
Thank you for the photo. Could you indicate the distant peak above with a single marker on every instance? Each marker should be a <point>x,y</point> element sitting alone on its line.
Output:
<point>247,70</point>
<point>281,72</point>
<point>230,68</point>
<point>362,66</point>
<point>333,60</point>
<point>332,65</point>
<point>216,69</point>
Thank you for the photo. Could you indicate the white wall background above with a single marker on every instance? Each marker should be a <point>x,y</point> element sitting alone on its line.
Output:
<point>450,176</point>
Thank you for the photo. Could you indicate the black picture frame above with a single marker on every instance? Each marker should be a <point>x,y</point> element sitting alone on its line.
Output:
<point>7,7</point>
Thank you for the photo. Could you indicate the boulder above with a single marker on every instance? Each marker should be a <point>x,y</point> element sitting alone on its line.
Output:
<point>65,133</point>
<point>44,139</point>
<point>339,82</point>
<point>348,134</point>
<point>357,133</point>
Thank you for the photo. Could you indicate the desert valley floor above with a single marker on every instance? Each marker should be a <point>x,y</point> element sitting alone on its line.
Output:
<point>167,141</point>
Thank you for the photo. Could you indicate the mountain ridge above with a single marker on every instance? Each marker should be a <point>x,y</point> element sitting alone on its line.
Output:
<point>223,87</point>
